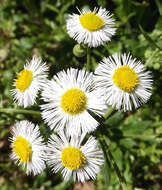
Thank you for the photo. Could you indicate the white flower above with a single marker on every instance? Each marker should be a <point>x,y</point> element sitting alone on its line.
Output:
<point>69,155</point>
<point>125,81</point>
<point>28,147</point>
<point>93,28</point>
<point>29,82</point>
<point>69,96</point>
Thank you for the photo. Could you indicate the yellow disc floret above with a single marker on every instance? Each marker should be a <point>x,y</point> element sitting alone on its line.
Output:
<point>72,158</point>
<point>24,79</point>
<point>91,21</point>
<point>125,78</point>
<point>22,149</point>
<point>73,101</point>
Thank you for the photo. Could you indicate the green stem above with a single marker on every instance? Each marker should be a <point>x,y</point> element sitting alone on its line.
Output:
<point>109,112</point>
<point>142,137</point>
<point>12,110</point>
<point>116,168</point>
<point>88,65</point>
<point>111,159</point>
<point>149,39</point>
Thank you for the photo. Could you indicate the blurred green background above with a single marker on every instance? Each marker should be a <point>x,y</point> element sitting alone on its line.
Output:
<point>38,27</point>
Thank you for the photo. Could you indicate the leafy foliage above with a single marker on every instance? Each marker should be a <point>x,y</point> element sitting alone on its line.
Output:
<point>135,139</point>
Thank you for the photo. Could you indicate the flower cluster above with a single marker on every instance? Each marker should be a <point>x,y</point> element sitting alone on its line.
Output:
<point>73,99</point>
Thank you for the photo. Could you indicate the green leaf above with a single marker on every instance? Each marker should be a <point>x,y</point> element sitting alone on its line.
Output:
<point>159,23</point>
<point>106,173</point>
<point>159,5</point>
<point>52,8</point>
<point>127,143</point>
<point>136,127</point>
<point>115,119</point>
<point>63,185</point>
<point>148,38</point>
<point>26,43</point>
<point>3,54</point>
<point>101,3</point>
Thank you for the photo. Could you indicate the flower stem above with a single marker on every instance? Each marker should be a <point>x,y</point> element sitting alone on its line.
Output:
<point>88,65</point>
<point>109,112</point>
<point>12,110</point>
<point>109,158</point>
<point>116,168</point>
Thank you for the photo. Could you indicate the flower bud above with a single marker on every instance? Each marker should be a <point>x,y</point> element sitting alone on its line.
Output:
<point>79,50</point>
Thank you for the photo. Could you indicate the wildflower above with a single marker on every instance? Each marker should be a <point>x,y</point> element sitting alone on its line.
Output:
<point>69,97</point>
<point>29,82</point>
<point>125,81</point>
<point>74,159</point>
<point>27,147</point>
<point>93,28</point>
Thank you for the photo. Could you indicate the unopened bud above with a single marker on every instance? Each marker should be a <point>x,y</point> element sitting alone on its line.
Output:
<point>79,50</point>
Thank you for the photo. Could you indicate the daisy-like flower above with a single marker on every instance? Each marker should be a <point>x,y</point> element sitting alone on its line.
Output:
<point>69,155</point>
<point>69,97</point>
<point>28,147</point>
<point>93,28</point>
<point>29,81</point>
<point>125,80</point>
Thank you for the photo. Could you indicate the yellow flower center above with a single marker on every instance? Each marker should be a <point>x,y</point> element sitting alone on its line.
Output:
<point>23,149</point>
<point>24,79</point>
<point>91,21</point>
<point>125,78</point>
<point>73,101</point>
<point>72,158</point>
